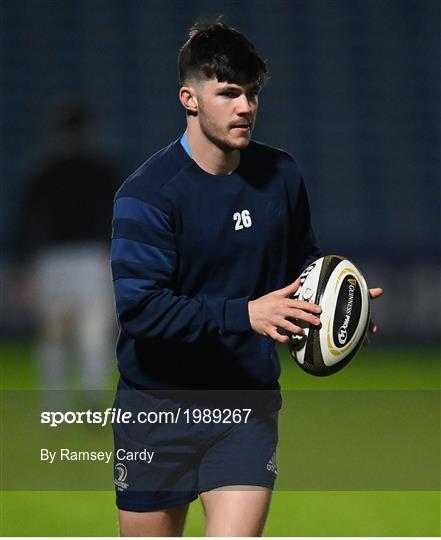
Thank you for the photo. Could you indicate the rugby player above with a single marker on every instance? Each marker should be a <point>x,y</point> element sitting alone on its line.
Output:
<point>209,236</point>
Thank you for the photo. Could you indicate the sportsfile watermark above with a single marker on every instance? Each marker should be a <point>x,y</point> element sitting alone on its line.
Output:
<point>342,440</point>
<point>114,415</point>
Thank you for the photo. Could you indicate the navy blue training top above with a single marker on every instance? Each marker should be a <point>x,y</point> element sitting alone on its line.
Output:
<point>189,250</point>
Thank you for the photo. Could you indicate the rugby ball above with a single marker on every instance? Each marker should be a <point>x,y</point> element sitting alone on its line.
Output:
<point>338,287</point>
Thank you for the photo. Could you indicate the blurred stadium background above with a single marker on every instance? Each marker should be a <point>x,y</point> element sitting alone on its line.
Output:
<point>354,95</point>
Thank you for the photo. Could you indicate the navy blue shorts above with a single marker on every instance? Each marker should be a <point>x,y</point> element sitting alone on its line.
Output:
<point>170,449</point>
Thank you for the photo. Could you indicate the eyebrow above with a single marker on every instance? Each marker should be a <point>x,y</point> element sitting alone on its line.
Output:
<point>233,87</point>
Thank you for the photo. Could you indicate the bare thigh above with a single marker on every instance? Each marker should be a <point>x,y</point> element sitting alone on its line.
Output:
<point>168,522</point>
<point>236,510</point>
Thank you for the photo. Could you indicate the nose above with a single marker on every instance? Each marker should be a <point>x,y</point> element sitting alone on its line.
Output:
<point>244,104</point>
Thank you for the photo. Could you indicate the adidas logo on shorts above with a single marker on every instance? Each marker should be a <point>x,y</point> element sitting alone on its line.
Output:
<point>272,466</point>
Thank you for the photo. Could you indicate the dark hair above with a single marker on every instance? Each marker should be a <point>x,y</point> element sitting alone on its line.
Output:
<point>214,49</point>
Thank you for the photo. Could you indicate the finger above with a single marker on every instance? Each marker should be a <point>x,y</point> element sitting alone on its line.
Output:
<point>303,305</point>
<point>366,341</point>
<point>279,338</point>
<point>305,317</point>
<point>372,327</point>
<point>290,289</point>
<point>375,293</point>
<point>281,335</point>
<point>291,328</point>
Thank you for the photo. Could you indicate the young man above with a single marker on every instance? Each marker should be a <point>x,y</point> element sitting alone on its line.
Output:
<point>209,236</point>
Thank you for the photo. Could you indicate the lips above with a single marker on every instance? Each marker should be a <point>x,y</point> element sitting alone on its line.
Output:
<point>241,126</point>
<point>243,123</point>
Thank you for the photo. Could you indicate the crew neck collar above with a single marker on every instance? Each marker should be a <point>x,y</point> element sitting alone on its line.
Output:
<point>183,144</point>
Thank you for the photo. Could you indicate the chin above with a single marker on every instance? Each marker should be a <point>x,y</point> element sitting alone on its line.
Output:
<point>229,144</point>
<point>239,144</point>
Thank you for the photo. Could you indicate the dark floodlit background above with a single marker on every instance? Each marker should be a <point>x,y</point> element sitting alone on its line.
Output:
<point>354,95</point>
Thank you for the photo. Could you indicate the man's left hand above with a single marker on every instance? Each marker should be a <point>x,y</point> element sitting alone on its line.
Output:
<point>373,294</point>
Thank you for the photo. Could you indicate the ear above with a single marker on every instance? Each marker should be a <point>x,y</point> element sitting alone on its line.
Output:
<point>188,99</point>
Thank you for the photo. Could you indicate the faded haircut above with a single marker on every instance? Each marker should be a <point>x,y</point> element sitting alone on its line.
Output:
<point>215,50</point>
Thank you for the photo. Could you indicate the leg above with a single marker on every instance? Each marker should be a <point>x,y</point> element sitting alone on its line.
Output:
<point>52,358</point>
<point>94,337</point>
<point>52,350</point>
<point>94,316</point>
<point>168,522</point>
<point>236,510</point>
<point>53,305</point>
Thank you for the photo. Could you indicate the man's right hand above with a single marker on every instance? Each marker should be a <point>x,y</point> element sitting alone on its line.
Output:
<point>277,309</point>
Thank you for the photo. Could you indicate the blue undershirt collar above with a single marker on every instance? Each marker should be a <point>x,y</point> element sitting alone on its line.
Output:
<point>184,143</point>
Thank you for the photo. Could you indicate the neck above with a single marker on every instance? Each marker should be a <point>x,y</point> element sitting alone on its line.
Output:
<point>210,157</point>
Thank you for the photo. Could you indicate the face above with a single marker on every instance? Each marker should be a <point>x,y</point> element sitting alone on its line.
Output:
<point>226,112</point>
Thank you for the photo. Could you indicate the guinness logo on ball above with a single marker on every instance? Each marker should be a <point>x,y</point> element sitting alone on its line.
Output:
<point>347,312</point>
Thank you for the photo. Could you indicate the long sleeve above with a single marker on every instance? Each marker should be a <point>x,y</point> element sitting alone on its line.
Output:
<point>307,249</point>
<point>144,265</point>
